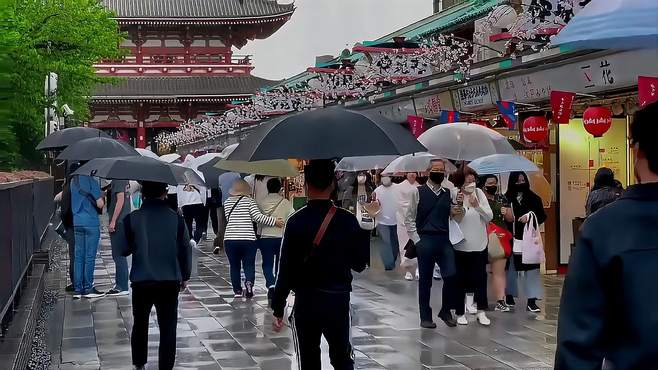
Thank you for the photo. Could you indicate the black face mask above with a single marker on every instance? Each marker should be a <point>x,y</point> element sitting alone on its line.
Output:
<point>437,177</point>
<point>492,190</point>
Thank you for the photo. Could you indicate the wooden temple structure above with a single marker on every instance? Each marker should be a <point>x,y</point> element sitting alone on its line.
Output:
<point>180,63</point>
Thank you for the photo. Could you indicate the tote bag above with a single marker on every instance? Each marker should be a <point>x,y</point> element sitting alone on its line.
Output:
<point>500,242</point>
<point>532,246</point>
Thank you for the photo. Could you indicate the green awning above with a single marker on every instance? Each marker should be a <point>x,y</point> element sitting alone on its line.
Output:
<point>439,22</point>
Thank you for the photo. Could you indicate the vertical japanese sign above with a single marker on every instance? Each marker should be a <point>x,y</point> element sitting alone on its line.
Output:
<point>561,106</point>
<point>647,90</point>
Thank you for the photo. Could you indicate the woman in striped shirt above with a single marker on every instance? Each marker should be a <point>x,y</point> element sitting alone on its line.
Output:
<point>240,238</point>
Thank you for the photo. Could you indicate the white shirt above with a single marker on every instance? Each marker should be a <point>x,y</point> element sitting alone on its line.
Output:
<point>404,191</point>
<point>474,224</point>
<point>258,188</point>
<point>188,195</point>
<point>388,199</point>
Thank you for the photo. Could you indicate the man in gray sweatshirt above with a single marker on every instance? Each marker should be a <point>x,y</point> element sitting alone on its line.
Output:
<point>157,238</point>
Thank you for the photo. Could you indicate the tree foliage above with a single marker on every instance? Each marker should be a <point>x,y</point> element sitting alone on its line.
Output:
<point>41,36</point>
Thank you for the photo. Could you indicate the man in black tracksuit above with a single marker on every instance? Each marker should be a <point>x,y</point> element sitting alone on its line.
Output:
<point>317,267</point>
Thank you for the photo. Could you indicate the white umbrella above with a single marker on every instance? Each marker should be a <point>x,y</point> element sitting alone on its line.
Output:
<point>499,163</point>
<point>170,158</point>
<point>418,162</point>
<point>371,162</point>
<point>228,150</point>
<point>147,153</point>
<point>205,158</point>
<point>464,141</point>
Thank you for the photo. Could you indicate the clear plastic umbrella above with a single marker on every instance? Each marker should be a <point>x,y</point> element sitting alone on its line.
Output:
<point>464,141</point>
<point>418,162</point>
<point>371,162</point>
<point>147,153</point>
<point>499,163</point>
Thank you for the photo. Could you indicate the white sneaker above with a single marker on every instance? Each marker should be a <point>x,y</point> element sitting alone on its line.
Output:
<point>471,309</point>
<point>437,274</point>
<point>461,320</point>
<point>408,276</point>
<point>483,319</point>
<point>417,275</point>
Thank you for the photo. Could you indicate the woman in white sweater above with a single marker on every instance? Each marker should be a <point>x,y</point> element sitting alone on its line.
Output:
<point>471,256</point>
<point>240,238</point>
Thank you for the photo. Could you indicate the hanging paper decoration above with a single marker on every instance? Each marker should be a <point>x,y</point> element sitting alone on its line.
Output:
<point>561,106</point>
<point>535,129</point>
<point>597,120</point>
<point>647,90</point>
<point>507,110</point>
<point>416,125</point>
<point>448,116</point>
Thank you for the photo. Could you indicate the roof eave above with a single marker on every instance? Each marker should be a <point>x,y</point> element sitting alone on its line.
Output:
<point>220,20</point>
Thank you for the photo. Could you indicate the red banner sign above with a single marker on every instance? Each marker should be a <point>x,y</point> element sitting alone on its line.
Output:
<point>647,90</point>
<point>416,124</point>
<point>561,106</point>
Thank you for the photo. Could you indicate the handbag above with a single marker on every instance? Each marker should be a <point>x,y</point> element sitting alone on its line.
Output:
<point>410,251</point>
<point>455,232</point>
<point>499,241</point>
<point>532,246</point>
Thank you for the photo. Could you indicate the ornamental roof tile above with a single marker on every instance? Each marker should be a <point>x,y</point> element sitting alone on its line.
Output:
<point>195,9</point>
<point>176,87</point>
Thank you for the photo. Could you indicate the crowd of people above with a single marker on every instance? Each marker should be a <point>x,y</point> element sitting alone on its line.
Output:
<point>458,227</point>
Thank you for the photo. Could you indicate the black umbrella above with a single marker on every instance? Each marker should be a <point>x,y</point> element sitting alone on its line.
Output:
<point>211,173</point>
<point>63,138</point>
<point>140,169</point>
<point>517,145</point>
<point>98,147</point>
<point>327,133</point>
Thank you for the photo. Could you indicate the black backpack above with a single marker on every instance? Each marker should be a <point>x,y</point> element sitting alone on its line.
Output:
<point>65,205</point>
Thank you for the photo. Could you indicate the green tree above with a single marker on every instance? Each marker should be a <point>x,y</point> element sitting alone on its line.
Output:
<point>41,36</point>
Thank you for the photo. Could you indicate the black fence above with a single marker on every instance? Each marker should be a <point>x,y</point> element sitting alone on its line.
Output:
<point>25,211</point>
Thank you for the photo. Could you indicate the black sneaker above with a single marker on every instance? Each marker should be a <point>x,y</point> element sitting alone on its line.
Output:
<point>448,319</point>
<point>69,288</point>
<point>94,293</point>
<point>426,324</point>
<point>270,293</point>
<point>248,290</point>
<point>509,301</point>
<point>215,251</point>
<point>532,306</point>
<point>116,292</point>
<point>502,307</point>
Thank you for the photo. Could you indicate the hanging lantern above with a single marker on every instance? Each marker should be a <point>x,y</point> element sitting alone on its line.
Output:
<point>535,129</point>
<point>597,120</point>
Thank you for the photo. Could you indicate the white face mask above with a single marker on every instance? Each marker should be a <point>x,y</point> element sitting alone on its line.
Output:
<point>361,179</point>
<point>386,181</point>
<point>469,188</point>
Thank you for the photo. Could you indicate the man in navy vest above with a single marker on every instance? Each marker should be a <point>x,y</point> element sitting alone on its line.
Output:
<point>427,223</point>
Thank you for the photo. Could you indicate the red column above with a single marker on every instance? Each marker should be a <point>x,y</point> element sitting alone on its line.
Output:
<point>141,135</point>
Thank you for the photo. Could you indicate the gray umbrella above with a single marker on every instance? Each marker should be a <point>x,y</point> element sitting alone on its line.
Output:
<point>98,147</point>
<point>140,168</point>
<point>327,133</point>
<point>63,138</point>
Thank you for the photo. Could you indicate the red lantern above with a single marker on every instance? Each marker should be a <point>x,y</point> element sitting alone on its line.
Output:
<point>535,129</point>
<point>597,120</point>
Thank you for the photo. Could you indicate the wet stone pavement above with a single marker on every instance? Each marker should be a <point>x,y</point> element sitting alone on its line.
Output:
<point>216,331</point>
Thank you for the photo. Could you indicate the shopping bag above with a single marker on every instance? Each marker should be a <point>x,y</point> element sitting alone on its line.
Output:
<point>532,247</point>
<point>455,232</point>
<point>504,239</point>
<point>494,248</point>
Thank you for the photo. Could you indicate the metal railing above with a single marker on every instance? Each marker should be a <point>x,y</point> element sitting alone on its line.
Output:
<point>25,211</point>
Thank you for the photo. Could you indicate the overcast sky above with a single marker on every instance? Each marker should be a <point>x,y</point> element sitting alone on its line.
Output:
<point>321,27</point>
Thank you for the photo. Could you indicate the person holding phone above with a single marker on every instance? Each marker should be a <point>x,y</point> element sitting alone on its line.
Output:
<point>471,256</point>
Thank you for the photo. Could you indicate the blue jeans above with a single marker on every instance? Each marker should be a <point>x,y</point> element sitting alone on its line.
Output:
<point>241,254</point>
<point>269,250</point>
<point>120,263</point>
<point>391,246</point>
<point>86,246</point>
<point>532,285</point>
